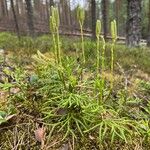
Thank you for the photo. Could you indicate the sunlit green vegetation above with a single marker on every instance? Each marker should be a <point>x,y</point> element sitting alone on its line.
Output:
<point>81,91</point>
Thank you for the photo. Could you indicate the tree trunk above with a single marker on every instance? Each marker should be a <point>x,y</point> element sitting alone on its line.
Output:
<point>51,3</point>
<point>66,13</point>
<point>93,15</point>
<point>17,7</point>
<point>62,13</point>
<point>47,11</point>
<point>133,23</point>
<point>148,38</point>
<point>22,8</point>
<point>105,17</point>
<point>70,15</point>
<point>15,18</point>
<point>3,8</point>
<point>30,17</point>
<point>36,5</point>
<point>1,11</point>
<point>6,7</point>
<point>117,9</point>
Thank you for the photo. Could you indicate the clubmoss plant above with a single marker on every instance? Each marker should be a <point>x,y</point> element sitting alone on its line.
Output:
<point>54,23</point>
<point>81,18</point>
<point>98,31</point>
<point>114,38</point>
<point>102,67</point>
<point>101,86</point>
<point>52,29</point>
<point>54,26</point>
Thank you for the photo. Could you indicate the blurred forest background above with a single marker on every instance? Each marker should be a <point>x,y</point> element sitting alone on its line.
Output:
<point>31,17</point>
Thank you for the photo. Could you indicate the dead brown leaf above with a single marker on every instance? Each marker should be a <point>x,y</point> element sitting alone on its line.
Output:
<point>40,134</point>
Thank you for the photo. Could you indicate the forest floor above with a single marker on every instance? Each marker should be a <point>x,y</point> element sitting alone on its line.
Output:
<point>23,101</point>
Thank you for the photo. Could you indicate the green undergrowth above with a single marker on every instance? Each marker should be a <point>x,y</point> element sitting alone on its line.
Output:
<point>128,58</point>
<point>65,99</point>
<point>86,94</point>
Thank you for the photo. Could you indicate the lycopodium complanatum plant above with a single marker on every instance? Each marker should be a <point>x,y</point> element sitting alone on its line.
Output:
<point>98,31</point>
<point>114,38</point>
<point>102,67</point>
<point>54,27</point>
<point>101,85</point>
<point>81,18</point>
<point>98,81</point>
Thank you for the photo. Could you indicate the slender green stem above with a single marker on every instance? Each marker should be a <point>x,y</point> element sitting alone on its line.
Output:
<point>61,74</point>
<point>98,57</point>
<point>103,67</point>
<point>112,64</point>
<point>103,55</point>
<point>82,42</point>
<point>114,38</point>
<point>58,48</point>
<point>98,67</point>
<point>55,47</point>
<point>54,24</point>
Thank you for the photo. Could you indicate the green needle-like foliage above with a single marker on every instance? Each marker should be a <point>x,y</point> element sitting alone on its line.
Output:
<point>109,127</point>
<point>67,103</point>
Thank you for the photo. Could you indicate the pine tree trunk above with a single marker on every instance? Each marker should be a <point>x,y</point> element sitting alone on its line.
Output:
<point>6,7</point>
<point>105,17</point>
<point>148,38</point>
<point>47,11</point>
<point>37,8</point>
<point>62,13</point>
<point>21,6</point>
<point>51,3</point>
<point>66,10</point>
<point>133,23</point>
<point>15,18</point>
<point>17,7</point>
<point>70,15</point>
<point>93,15</point>
<point>117,9</point>
<point>3,8</point>
<point>30,17</point>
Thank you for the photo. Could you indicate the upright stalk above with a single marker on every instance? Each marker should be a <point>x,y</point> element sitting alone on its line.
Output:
<point>52,29</point>
<point>100,80</point>
<point>54,26</point>
<point>98,57</point>
<point>114,38</point>
<point>81,18</point>
<point>103,66</point>
<point>56,15</point>
<point>82,43</point>
<point>98,30</point>
<point>112,64</point>
<point>58,48</point>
